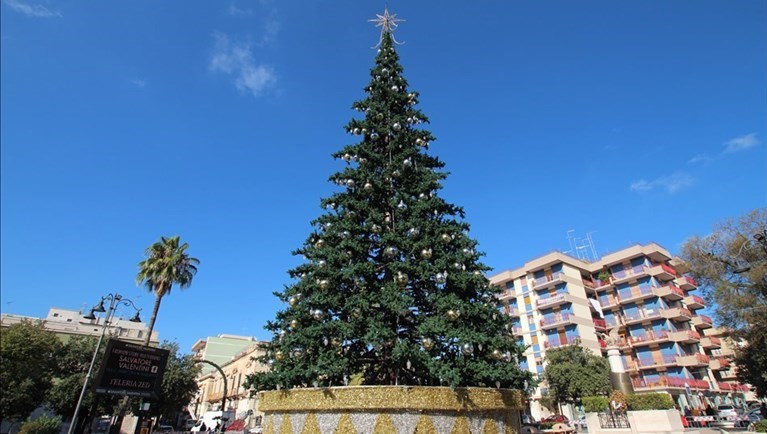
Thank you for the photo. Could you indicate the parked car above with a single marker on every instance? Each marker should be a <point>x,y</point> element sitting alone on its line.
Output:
<point>727,411</point>
<point>754,415</point>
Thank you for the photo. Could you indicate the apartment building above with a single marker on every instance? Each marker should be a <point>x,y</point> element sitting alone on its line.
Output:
<point>638,292</point>
<point>66,323</point>
<point>220,349</point>
<point>236,369</point>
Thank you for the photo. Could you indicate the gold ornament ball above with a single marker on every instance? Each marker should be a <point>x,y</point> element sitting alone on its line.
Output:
<point>324,284</point>
<point>319,244</point>
<point>497,355</point>
<point>292,300</point>
<point>368,186</point>
<point>446,237</point>
<point>426,253</point>
<point>294,323</point>
<point>279,355</point>
<point>402,278</point>
<point>427,343</point>
<point>453,314</point>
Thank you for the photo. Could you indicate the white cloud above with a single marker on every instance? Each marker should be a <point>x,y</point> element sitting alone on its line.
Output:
<point>237,60</point>
<point>700,158</point>
<point>741,143</point>
<point>138,82</point>
<point>234,10</point>
<point>671,183</point>
<point>31,10</point>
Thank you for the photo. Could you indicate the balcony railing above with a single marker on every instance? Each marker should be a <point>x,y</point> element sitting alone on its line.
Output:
<point>602,283</point>
<point>692,360</point>
<point>711,342</point>
<point>719,363</point>
<point>669,382</point>
<point>641,315</point>
<point>541,281</point>
<point>549,301</point>
<point>687,282</point>
<point>657,360</point>
<point>555,319</point>
<point>599,323</point>
<point>702,321</point>
<point>516,330</point>
<point>677,313</point>
<point>648,337</point>
<point>620,276</point>
<point>607,300</point>
<point>630,294</point>
<point>669,291</point>
<point>559,343</point>
<point>589,284</point>
<point>694,302</point>
<point>685,336</point>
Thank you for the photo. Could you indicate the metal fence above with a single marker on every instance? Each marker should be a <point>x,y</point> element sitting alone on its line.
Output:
<point>613,420</point>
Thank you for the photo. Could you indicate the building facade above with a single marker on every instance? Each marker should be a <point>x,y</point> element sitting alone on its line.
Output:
<point>211,387</point>
<point>66,323</point>
<point>220,349</point>
<point>638,294</point>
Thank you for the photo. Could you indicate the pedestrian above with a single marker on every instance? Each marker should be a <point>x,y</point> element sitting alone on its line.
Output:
<point>203,427</point>
<point>687,411</point>
<point>763,410</point>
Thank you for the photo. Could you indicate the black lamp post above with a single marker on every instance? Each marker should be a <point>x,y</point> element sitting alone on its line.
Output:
<point>114,301</point>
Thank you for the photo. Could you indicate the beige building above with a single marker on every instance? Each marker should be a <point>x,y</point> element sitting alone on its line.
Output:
<point>238,399</point>
<point>637,293</point>
<point>65,323</point>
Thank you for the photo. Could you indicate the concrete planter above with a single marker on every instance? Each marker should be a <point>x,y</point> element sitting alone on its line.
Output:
<point>391,410</point>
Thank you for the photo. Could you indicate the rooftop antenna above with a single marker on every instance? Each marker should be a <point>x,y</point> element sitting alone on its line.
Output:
<point>570,240</point>
<point>582,247</point>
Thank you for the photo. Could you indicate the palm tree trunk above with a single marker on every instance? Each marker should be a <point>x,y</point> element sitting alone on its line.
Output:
<point>156,308</point>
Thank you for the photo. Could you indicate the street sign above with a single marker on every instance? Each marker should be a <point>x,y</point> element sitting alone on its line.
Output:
<point>132,370</point>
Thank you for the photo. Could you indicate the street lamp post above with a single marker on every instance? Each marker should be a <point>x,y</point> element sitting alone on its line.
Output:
<point>114,300</point>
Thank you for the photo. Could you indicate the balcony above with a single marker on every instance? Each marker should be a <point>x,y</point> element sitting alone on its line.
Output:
<point>669,292</point>
<point>640,316</point>
<point>588,283</point>
<point>663,272</point>
<point>694,302</point>
<point>657,361</point>
<point>719,364</point>
<point>599,324</point>
<point>634,294</point>
<point>607,301</point>
<point>516,330</point>
<point>556,343</point>
<point>686,282</point>
<point>554,321</point>
<point>648,338</point>
<point>677,314</point>
<point>669,383</point>
<point>512,311</point>
<point>612,322</point>
<point>711,342</point>
<point>629,274</point>
<point>553,301</point>
<point>602,284</point>
<point>685,336</point>
<point>693,360</point>
<point>702,321</point>
<point>547,281</point>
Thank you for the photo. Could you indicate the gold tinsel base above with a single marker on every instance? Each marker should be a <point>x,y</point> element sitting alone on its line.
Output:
<point>391,410</point>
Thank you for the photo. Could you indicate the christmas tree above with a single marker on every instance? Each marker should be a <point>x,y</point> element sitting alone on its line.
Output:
<point>392,291</point>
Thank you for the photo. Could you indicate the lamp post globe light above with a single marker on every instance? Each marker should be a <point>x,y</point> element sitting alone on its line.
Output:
<point>115,300</point>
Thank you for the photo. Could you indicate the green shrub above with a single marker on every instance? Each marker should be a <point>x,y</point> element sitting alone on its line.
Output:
<point>760,426</point>
<point>42,425</point>
<point>595,404</point>
<point>650,401</point>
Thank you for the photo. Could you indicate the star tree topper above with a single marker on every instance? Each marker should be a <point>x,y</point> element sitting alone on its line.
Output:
<point>388,23</point>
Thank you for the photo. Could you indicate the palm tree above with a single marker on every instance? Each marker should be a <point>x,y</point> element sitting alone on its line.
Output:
<point>166,264</point>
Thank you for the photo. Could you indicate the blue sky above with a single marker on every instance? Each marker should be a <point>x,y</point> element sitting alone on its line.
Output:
<point>124,121</point>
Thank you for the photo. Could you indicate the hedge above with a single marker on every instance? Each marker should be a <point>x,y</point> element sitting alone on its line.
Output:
<point>42,425</point>
<point>595,404</point>
<point>760,426</point>
<point>650,401</point>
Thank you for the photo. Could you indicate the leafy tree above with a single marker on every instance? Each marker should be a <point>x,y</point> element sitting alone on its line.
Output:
<point>179,383</point>
<point>572,372</point>
<point>167,263</point>
<point>28,363</point>
<point>393,289</point>
<point>730,265</point>
<point>74,360</point>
